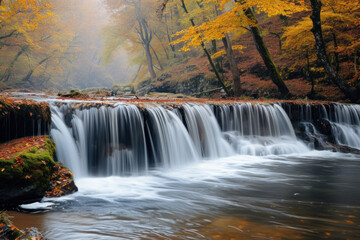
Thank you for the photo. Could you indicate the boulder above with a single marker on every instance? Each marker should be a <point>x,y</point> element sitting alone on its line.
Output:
<point>61,183</point>
<point>26,167</point>
<point>163,77</point>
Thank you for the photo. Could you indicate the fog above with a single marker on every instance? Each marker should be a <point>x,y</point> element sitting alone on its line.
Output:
<point>89,18</point>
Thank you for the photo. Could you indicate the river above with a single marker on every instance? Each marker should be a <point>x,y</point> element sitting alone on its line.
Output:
<point>198,171</point>
<point>314,195</point>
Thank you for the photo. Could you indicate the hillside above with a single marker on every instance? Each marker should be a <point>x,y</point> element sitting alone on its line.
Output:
<point>194,76</point>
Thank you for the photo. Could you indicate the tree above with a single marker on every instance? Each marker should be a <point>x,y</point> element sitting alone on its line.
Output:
<point>20,22</point>
<point>320,45</point>
<point>239,18</point>
<point>201,42</point>
<point>137,17</point>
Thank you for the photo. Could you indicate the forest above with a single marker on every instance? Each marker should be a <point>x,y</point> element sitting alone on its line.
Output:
<point>270,49</point>
<point>179,119</point>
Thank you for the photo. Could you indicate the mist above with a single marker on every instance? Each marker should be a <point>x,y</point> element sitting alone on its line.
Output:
<point>89,69</point>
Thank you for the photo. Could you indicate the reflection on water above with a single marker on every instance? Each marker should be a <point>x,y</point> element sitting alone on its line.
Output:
<point>312,196</point>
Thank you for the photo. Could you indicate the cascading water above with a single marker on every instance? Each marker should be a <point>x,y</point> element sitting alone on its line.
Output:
<point>258,129</point>
<point>205,131</point>
<point>128,140</point>
<point>111,140</point>
<point>345,122</point>
<point>170,143</point>
<point>324,124</point>
<point>66,150</point>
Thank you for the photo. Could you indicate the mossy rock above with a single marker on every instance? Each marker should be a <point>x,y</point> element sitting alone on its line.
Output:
<point>25,177</point>
<point>21,118</point>
<point>62,182</point>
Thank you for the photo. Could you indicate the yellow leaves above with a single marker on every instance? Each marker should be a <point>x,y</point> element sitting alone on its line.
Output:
<point>2,169</point>
<point>231,21</point>
<point>238,47</point>
<point>28,13</point>
<point>338,16</point>
<point>234,20</point>
<point>223,52</point>
<point>219,54</point>
<point>277,7</point>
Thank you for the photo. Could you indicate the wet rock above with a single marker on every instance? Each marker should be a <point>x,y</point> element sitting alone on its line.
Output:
<point>325,127</point>
<point>344,149</point>
<point>21,118</point>
<point>10,232</point>
<point>62,182</point>
<point>25,174</point>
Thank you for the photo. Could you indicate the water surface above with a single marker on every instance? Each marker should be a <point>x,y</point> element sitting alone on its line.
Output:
<point>314,195</point>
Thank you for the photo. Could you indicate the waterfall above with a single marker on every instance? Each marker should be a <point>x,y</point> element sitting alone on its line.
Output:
<point>114,140</point>
<point>205,131</point>
<point>170,142</point>
<point>258,129</point>
<point>345,122</point>
<point>66,150</point>
<point>124,139</point>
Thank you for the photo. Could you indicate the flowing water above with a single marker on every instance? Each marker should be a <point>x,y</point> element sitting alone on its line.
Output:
<point>201,172</point>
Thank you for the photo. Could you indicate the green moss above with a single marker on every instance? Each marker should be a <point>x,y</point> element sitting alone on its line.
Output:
<point>35,166</point>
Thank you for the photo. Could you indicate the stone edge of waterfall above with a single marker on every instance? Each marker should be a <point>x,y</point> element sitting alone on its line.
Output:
<point>97,134</point>
<point>23,118</point>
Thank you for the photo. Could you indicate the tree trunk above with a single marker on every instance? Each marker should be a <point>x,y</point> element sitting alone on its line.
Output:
<point>235,72</point>
<point>213,46</point>
<point>149,61</point>
<point>157,58</point>
<point>337,63</point>
<point>355,63</point>
<point>8,71</point>
<point>323,57</point>
<point>28,76</point>
<point>137,74</point>
<point>162,45</point>
<point>309,76</point>
<point>264,52</point>
<point>207,54</point>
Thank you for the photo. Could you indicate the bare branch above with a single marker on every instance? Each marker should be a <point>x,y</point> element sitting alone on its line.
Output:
<point>161,9</point>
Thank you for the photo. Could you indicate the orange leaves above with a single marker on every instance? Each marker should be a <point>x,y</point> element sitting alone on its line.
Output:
<point>8,150</point>
<point>28,13</point>
<point>19,162</point>
<point>61,182</point>
<point>11,231</point>
<point>234,20</point>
